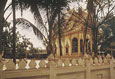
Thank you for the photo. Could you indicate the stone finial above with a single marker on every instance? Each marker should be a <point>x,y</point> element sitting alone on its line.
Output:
<point>113,59</point>
<point>51,57</point>
<point>32,64</point>
<point>10,65</point>
<point>73,62</point>
<point>81,62</point>
<point>22,64</point>
<point>100,60</point>
<point>108,56</point>
<point>86,56</point>
<point>42,64</point>
<point>66,63</point>
<point>96,61</point>
<point>105,61</point>
<point>91,61</point>
<point>59,63</point>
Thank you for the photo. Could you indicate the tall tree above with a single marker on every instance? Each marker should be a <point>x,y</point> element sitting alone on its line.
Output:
<point>14,32</point>
<point>59,30</point>
<point>61,5</point>
<point>99,13</point>
<point>2,24</point>
<point>51,8</point>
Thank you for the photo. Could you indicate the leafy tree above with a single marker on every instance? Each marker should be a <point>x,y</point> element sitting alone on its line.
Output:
<point>51,9</point>
<point>2,21</point>
<point>107,35</point>
<point>22,44</point>
<point>98,13</point>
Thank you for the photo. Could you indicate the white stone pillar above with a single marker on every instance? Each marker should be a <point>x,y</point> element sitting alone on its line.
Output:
<point>52,67</point>
<point>1,68</point>
<point>79,46</point>
<point>112,76</point>
<point>70,47</point>
<point>63,50</point>
<point>88,70</point>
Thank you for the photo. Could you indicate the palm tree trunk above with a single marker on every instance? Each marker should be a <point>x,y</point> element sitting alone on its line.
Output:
<point>49,47</point>
<point>2,7</point>
<point>59,33</point>
<point>14,29</point>
<point>59,29</point>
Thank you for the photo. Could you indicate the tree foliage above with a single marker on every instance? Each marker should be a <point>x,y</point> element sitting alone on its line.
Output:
<point>107,35</point>
<point>23,45</point>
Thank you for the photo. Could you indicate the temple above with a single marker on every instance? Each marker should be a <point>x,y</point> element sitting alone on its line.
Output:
<point>73,35</point>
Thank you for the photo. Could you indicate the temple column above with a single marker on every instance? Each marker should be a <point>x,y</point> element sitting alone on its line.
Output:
<point>79,44</point>
<point>63,48</point>
<point>63,51</point>
<point>57,51</point>
<point>70,48</point>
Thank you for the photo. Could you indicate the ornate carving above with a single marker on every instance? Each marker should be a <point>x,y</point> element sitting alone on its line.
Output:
<point>10,65</point>
<point>22,64</point>
<point>59,63</point>
<point>91,61</point>
<point>96,61</point>
<point>32,64</point>
<point>105,61</point>
<point>73,62</point>
<point>81,62</point>
<point>108,57</point>
<point>42,64</point>
<point>100,60</point>
<point>66,63</point>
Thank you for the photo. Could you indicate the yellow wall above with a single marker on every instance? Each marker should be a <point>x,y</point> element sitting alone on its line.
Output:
<point>67,39</point>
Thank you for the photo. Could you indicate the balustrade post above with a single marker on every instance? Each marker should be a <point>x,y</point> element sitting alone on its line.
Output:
<point>52,67</point>
<point>1,68</point>
<point>88,70</point>
<point>112,76</point>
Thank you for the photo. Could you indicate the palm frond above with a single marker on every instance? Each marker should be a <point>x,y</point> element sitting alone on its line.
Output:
<point>33,5</point>
<point>26,24</point>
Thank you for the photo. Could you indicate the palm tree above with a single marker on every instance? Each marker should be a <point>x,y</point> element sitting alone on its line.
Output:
<point>60,8</point>
<point>51,8</point>
<point>2,24</point>
<point>14,31</point>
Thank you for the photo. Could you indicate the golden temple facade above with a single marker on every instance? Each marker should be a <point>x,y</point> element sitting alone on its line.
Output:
<point>73,35</point>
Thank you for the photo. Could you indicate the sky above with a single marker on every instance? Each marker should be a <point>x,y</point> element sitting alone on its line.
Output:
<point>29,34</point>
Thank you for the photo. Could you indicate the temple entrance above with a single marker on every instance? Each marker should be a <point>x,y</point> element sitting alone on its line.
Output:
<point>74,45</point>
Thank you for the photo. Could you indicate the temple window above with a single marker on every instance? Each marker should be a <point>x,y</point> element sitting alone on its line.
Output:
<point>87,45</point>
<point>81,46</point>
<point>74,45</point>
<point>67,48</point>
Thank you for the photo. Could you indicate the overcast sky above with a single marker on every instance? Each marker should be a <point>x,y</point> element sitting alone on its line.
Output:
<point>27,15</point>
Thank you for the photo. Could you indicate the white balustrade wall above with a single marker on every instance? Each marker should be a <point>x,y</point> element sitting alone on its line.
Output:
<point>82,68</point>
